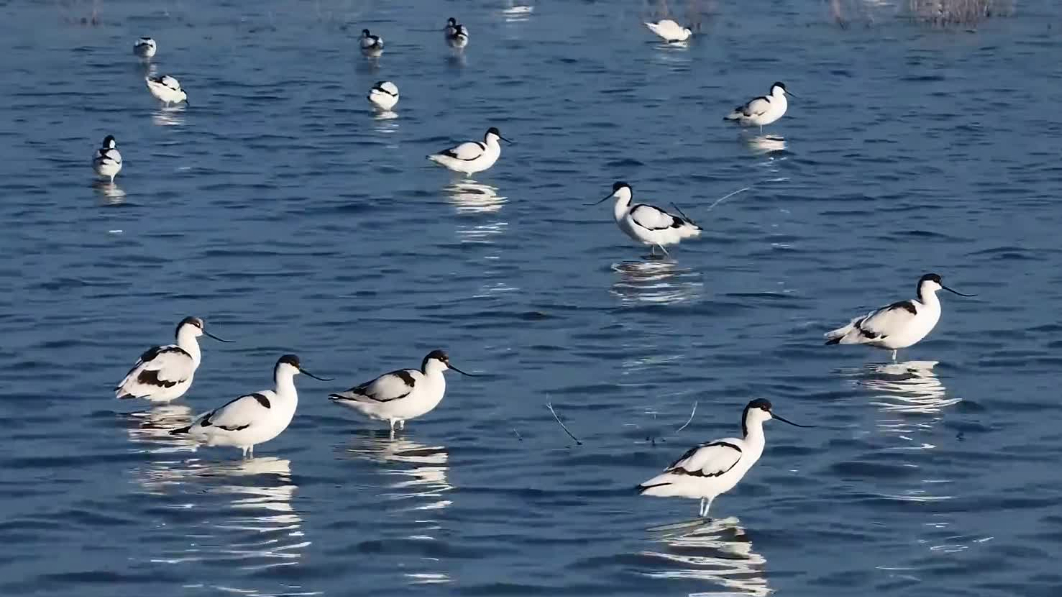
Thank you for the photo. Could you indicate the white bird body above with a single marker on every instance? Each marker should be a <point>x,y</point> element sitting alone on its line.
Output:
<point>107,162</point>
<point>647,224</point>
<point>384,95</point>
<point>254,418</point>
<point>164,373</point>
<point>456,34</point>
<point>371,45</point>
<point>670,31</point>
<point>713,468</point>
<point>763,110</point>
<point>166,89</point>
<point>145,47</point>
<point>471,157</point>
<point>899,325</point>
<point>400,395</point>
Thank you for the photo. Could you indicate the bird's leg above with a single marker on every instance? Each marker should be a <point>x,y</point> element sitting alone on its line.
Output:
<point>652,250</point>
<point>665,251</point>
<point>402,424</point>
<point>707,507</point>
<point>894,356</point>
<point>244,448</point>
<point>704,502</point>
<point>251,451</point>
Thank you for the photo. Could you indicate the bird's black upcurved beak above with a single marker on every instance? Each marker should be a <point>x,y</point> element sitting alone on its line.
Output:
<point>215,337</point>
<point>506,140</point>
<point>787,92</point>
<point>609,196</point>
<point>775,416</point>
<point>955,291</point>
<point>301,370</point>
<point>450,365</point>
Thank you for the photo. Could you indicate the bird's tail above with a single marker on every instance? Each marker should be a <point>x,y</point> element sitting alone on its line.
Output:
<point>737,114</point>
<point>839,335</point>
<point>654,28</point>
<point>181,431</point>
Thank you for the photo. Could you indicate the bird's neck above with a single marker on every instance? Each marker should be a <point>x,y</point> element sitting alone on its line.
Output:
<point>928,298</point>
<point>187,342</point>
<point>753,430</point>
<point>621,208</point>
<point>491,142</point>
<point>433,369</point>
<point>285,385</point>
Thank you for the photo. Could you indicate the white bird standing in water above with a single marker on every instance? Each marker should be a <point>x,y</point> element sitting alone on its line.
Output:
<point>165,373</point>
<point>473,156</point>
<point>714,468</point>
<point>898,325</point>
<point>371,45</point>
<point>108,161</point>
<point>762,110</point>
<point>255,418</point>
<point>145,47</point>
<point>670,31</point>
<point>647,224</point>
<point>166,89</point>
<point>401,395</point>
<point>384,95</point>
<point>456,34</point>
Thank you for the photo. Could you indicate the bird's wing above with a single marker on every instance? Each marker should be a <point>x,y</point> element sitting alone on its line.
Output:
<point>386,87</point>
<point>167,81</point>
<point>162,366</point>
<point>666,28</point>
<point>653,218</point>
<point>708,460</point>
<point>756,107</point>
<point>879,324</point>
<point>238,414</point>
<point>387,387</point>
<point>109,155</point>
<point>466,151</point>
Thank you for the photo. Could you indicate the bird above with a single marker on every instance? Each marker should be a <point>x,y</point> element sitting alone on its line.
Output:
<point>254,418</point>
<point>164,373</point>
<point>670,31</point>
<point>401,395</point>
<point>648,224</point>
<point>108,160</point>
<point>384,95</point>
<point>145,47</point>
<point>371,45</point>
<point>456,34</point>
<point>898,325</point>
<point>473,156</point>
<point>714,468</point>
<point>166,89</point>
<point>762,110</point>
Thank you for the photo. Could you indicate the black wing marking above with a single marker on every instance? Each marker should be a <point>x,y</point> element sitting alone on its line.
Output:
<point>675,222</point>
<point>365,389</point>
<point>262,399</point>
<point>453,154</point>
<point>745,109</point>
<point>872,335</point>
<point>699,472</point>
<point>151,377</point>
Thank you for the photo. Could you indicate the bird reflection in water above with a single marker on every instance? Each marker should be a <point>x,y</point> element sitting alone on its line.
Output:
<point>716,552</point>
<point>169,115</point>
<point>472,198</point>
<point>658,282</point>
<point>419,471</point>
<point>766,144</point>
<point>108,192</point>
<point>150,429</point>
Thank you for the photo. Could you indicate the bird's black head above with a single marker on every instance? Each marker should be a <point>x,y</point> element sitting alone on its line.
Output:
<point>289,359</point>
<point>760,403</point>
<point>929,278</point>
<point>193,321</point>
<point>778,84</point>
<point>365,33</point>
<point>619,184</point>
<point>494,131</point>
<point>109,141</point>
<point>451,22</point>
<point>437,355</point>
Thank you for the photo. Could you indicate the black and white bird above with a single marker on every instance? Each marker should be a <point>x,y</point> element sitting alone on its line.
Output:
<point>145,47</point>
<point>714,468</point>
<point>762,110</point>
<point>647,224</point>
<point>166,89</point>
<point>401,395</point>
<point>107,162</point>
<point>384,95</point>
<point>670,31</point>
<point>898,325</point>
<point>165,373</point>
<point>473,156</point>
<point>456,34</point>
<point>254,418</point>
<point>371,45</point>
